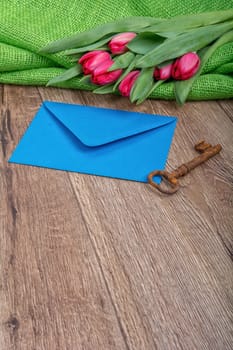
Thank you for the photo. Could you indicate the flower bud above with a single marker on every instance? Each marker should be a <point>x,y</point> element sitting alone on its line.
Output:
<point>118,43</point>
<point>101,76</point>
<point>91,60</point>
<point>127,83</point>
<point>163,73</point>
<point>186,66</point>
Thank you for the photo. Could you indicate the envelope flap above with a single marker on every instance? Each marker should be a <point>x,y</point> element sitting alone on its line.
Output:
<point>95,126</point>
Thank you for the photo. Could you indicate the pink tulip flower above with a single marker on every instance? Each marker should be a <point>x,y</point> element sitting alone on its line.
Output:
<point>118,43</point>
<point>163,73</point>
<point>128,82</point>
<point>186,66</point>
<point>91,60</point>
<point>101,76</point>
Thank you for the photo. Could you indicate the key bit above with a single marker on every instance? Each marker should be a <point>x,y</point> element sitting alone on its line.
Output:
<point>206,151</point>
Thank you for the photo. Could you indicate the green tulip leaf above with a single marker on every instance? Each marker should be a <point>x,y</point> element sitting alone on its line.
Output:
<point>76,57</point>
<point>138,24</point>
<point>67,75</point>
<point>127,71</point>
<point>122,61</point>
<point>96,46</point>
<point>154,86</point>
<point>106,89</point>
<point>181,23</point>
<point>165,63</point>
<point>187,42</point>
<point>142,85</point>
<point>145,42</point>
<point>86,79</point>
<point>93,35</point>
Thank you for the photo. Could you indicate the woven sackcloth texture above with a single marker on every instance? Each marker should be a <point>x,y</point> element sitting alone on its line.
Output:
<point>28,25</point>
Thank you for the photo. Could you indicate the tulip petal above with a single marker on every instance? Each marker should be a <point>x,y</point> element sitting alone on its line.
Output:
<point>103,67</point>
<point>163,73</point>
<point>185,66</point>
<point>128,82</point>
<point>91,60</point>
<point>94,54</point>
<point>117,44</point>
<point>106,78</point>
<point>183,88</point>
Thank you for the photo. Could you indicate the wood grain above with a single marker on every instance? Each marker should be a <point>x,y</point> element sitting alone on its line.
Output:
<point>95,263</point>
<point>53,292</point>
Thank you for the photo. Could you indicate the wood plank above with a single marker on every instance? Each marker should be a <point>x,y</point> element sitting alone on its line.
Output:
<point>207,120</point>
<point>52,291</point>
<point>227,106</point>
<point>166,260</point>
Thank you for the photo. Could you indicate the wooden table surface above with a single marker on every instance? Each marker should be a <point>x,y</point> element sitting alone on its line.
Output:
<point>95,263</point>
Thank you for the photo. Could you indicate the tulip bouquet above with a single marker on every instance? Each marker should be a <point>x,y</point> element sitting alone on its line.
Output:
<point>133,56</point>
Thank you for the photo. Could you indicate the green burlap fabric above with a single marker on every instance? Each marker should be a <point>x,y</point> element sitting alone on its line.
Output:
<point>28,25</point>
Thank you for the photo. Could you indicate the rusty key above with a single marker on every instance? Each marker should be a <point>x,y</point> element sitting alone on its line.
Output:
<point>207,151</point>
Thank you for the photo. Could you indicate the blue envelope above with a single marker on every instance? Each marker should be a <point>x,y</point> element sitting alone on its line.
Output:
<point>99,141</point>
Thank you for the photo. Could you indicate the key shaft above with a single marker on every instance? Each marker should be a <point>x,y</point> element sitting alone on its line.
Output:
<point>207,151</point>
<point>185,168</point>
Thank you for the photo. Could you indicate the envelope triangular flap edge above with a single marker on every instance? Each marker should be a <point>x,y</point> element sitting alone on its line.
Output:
<point>95,126</point>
